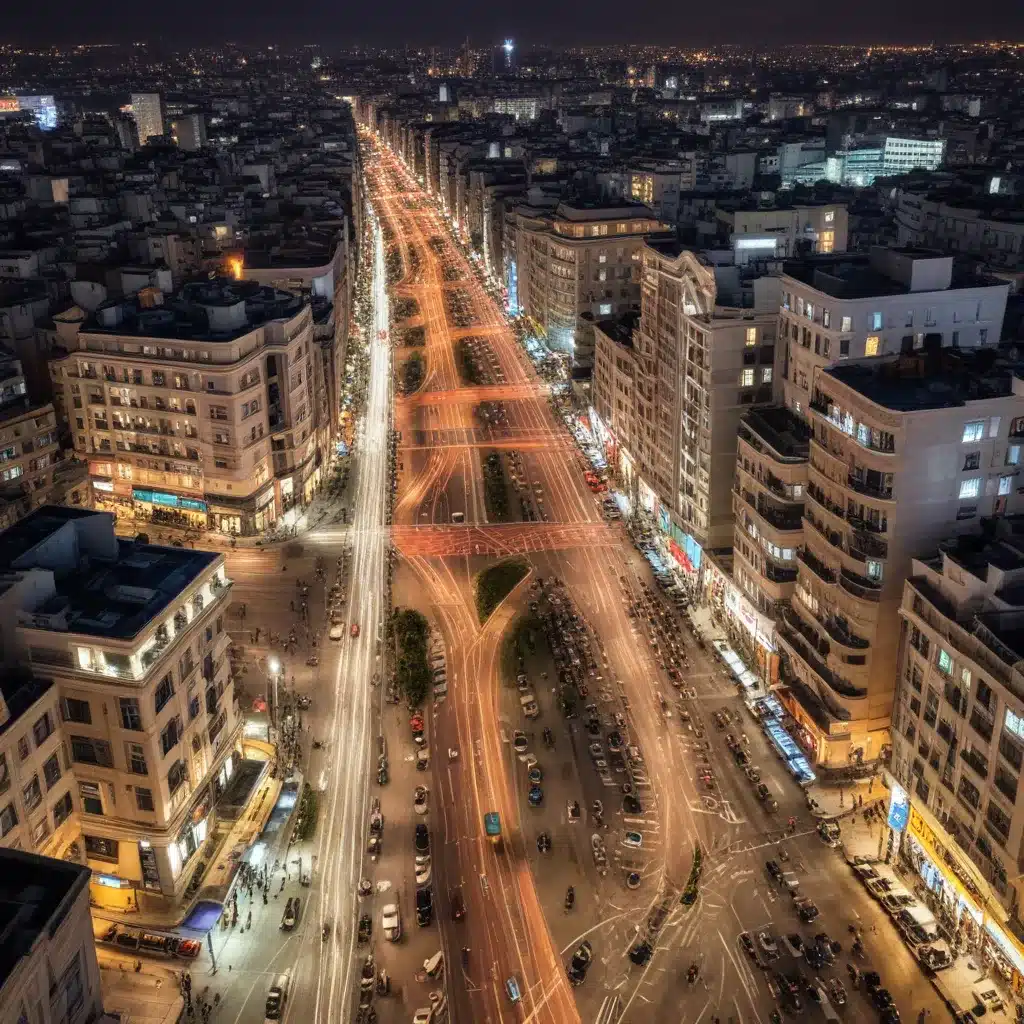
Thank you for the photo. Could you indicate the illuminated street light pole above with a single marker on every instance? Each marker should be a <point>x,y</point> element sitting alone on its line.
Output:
<point>275,668</point>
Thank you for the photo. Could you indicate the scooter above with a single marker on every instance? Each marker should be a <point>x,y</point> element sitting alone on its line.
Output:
<point>570,898</point>
<point>326,933</point>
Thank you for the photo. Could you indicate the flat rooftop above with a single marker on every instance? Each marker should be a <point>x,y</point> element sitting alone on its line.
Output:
<point>113,598</point>
<point>620,328</point>
<point>938,380</point>
<point>780,429</point>
<point>35,895</point>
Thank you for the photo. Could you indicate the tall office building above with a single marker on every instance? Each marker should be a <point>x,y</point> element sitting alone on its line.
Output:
<point>148,111</point>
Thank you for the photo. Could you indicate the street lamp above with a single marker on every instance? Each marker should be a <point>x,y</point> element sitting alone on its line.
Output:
<point>275,670</point>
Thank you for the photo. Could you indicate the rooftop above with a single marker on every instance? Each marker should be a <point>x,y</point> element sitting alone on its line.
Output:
<point>781,430</point>
<point>36,894</point>
<point>620,329</point>
<point>942,379</point>
<point>104,586</point>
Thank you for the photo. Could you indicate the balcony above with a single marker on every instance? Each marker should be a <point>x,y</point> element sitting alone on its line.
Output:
<point>981,723</point>
<point>864,545</point>
<point>869,488</point>
<point>976,761</point>
<point>860,586</point>
<point>779,574</point>
<point>842,635</point>
<point>819,568</point>
<point>820,498</point>
<point>839,685</point>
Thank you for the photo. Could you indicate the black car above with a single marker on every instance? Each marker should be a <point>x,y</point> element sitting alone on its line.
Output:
<point>422,838</point>
<point>641,953</point>
<point>773,869</point>
<point>747,942</point>
<point>890,1015</point>
<point>424,906</point>
<point>814,956</point>
<point>631,805</point>
<point>581,959</point>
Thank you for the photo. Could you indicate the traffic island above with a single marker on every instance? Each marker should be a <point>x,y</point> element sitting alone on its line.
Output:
<point>411,373</point>
<point>495,488</point>
<point>692,890</point>
<point>495,583</point>
<point>412,674</point>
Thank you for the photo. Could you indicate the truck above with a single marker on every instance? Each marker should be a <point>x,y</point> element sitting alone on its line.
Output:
<point>492,827</point>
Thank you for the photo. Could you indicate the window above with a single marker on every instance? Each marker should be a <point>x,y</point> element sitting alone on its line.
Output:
<point>751,338</point>
<point>136,758</point>
<point>23,748</point>
<point>876,321</point>
<point>605,309</point>
<point>143,798</point>
<point>844,347</point>
<point>602,258</point>
<point>971,487</point>
<point>131,716</point>
<point>846,324</point>
<point>766,375</point>
<point>972,461</point>
<point>164,692</point>
<point>32,794</point>
<point>76,711</point>
<point>993,427</point>
<point>874,569</point>
<point>8,820</point>
<point>51,771</point>
<point>193,708</point>
<point>1005,483</point>
<point>982,335</point>
<point>43,728</point>
<point>86,750</point>
<point>100,848</point>
<point>176,776</point>
<point>909,320</point>
<point>92,802</point>
<point>973,431</point>
<point>1013,455</point>
<point>945,662</point>
<point>871,345</point>
<point>39,834</point>
<point>747,377</point>
<point>62,810</point>
<point>171,735</point>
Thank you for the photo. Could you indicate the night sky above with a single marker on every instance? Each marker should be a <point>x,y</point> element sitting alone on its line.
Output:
<point>341,23</point>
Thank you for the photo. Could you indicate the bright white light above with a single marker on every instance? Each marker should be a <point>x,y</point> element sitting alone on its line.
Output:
<point>274,665</point>
<point>509,46</point>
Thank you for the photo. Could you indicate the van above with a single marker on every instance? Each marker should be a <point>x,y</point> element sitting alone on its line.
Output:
<point>277,996</point>
<point>432,965</point>
<point>458,904</point>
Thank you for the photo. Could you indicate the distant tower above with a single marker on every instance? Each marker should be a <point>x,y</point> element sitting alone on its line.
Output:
<point>504,58</point>
<point>467,60</point>
<point>148,111</point>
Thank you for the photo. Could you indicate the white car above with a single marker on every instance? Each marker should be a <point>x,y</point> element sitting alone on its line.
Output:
<point>424,1015</point>
<point>337,631</point>
<point>391,922</point>
<point>423,871</point>
<point>768,944</point>
<point>633,839</point>
<point>419,803</point>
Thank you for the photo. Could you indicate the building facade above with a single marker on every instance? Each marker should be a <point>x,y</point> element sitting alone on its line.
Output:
<point>148,113</point>
<point>200,409</point>
<point>117,759</point>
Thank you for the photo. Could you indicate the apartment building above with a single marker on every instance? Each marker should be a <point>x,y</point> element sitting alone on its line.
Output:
<point>891,301</point>
<point>29,447</point>
<point>120,727</point>
<point>199,408</point>
<point>658,185</point>
<point>900,448</point>
<point>48,968</point>
<point>958,732</point>
<point>580,258</point>
<point>147,110</point>
<point>670,404</point>
<point>756,232</point>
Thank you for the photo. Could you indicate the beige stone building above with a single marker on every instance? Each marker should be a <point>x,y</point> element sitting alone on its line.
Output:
<point>199,408</point>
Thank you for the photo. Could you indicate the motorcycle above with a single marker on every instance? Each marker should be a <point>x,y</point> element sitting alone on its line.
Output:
<point>326,933</point>
<point>312,661</point>
<point>691,974</point>
<point>465,956</point>
<point>570,898</point>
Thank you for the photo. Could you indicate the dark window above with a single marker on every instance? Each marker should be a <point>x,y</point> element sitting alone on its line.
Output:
<point>844,346</point>
<point>62,810</point>
<point>100,847</point>
<point>131,716</point>
<point>972,460</point>
<point>43,728</point>
<point>8,819</point>
<point>92,802</point>
<point>5,775</point>
<point>51,771</point>
<point>193,708</point>
<point>137,759</point>
<point>171,734</point>
<point>176,776</point>
<point>76,711</point>
<point>143,798</point>
<point>164,692</point>
<point>32,794</point>
<point>89,751</point>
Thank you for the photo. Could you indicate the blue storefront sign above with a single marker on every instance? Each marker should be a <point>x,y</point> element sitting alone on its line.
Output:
<point>899,808</point>
<point>168,500</point>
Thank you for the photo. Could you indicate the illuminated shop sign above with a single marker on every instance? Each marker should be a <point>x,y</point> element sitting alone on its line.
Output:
<point>168,500</point>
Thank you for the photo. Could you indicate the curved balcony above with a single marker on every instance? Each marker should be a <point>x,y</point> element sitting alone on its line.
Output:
<point>841,687</point>
<point>817,566</point>
<point>774,582</point>
<point>869,490</point>
<point>860,586</point>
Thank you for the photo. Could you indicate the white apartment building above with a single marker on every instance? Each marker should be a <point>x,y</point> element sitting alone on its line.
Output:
<point>696,367</point>
<point>658,186</point>
<point>894,301</point>
<point>200,407</point>
<point>148,113</point>
<point>116,760</point>
<point>581,258</point>
<point>48,968</point>
<point>900,449</point>
<point>757,233</point>
<point>958,734</point>
<point>614,379</point>
<point>985,228</point>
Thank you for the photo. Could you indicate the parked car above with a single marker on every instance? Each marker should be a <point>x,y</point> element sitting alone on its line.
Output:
<point>291,913</point>
<point>633,839</point>
<point>422,840</point>
<point>391,922</point>
<point>768,945</point>
<point>424,906</point>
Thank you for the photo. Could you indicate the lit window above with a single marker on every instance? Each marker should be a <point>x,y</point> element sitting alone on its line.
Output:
<point>874,569</point>
<point>830,216</point>
<point>846,324</point>
<point>970,488</point>
<point>809,311</point>
<point>1013,455</point>
<point>605,309</point>
<point>871,345</point>
<point>766,375</point>
<point>945,662</point>
<point>751,336</point>
<point>876,321</point>
<point>602,258</point>
<point>973,431</point>
<point>993,427</point>
<point>1005,482</point>
<point>747,377</point>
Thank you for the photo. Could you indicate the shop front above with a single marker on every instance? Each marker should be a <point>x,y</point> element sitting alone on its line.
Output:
<point>752,631</point>
<point>962,900</point>
<point>266,509</point>
<point>165,509</point>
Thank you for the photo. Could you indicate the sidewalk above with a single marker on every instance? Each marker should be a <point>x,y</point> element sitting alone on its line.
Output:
<point>831,801</point>
<point>150,996</point>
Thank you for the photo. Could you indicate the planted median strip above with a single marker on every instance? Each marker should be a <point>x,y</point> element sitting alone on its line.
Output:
<point>495,583</point>
<point>412,674</point>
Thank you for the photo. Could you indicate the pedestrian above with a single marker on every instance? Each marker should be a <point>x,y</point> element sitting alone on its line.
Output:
<point>248,919</point>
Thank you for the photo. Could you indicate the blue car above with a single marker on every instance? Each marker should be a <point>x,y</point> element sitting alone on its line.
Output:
<point>512,988</point>
<point>535,796</point>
